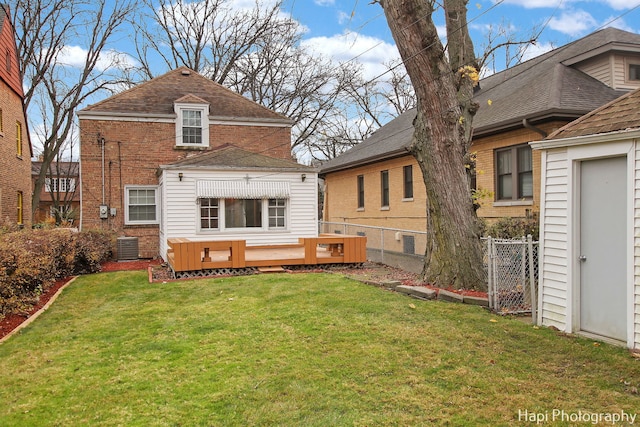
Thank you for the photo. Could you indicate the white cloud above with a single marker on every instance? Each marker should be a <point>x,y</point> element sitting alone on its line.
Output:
<point>532,50</point>
<point>76,56</point>
<point>573,23</point>
<point>535,4</point>
<point>369,51</point>
<point>324,2</point>
<point>622,4</point>
<point>619,23</point>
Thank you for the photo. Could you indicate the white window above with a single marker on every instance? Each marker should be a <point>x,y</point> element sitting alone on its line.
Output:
<point>62,185</point>
<point>192,125</point>
<point>217,214</point>
<point>209,214</point>
<point>141,205</point>
<point>277,213</point>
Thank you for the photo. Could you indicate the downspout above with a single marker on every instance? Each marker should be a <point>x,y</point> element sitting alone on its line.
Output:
<point>526,124</point>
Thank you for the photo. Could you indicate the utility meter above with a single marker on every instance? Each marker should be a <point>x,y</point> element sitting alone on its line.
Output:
<point>104,211</point>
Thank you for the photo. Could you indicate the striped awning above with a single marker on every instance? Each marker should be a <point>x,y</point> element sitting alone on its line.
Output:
<point>243,189</point>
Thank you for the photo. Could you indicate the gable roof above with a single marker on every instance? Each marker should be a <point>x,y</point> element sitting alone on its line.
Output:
<point>234,158</point>
<point>619,115</point>
<point>541,88</point>
<point>157,97</point>
<point>66,168</point>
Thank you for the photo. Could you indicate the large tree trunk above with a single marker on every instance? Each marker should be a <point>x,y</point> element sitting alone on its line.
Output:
<point>442,136</point>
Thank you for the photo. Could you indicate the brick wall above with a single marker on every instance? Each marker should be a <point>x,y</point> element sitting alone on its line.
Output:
<point>340,203</point>
<point>15,171</point>
<point>485,171</point>
<point>134,150</point>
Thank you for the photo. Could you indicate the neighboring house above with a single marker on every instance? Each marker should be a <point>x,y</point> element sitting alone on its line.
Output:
<point>182,156</point>
<point>590,224</point>
<point>60,195</point>
<point>370,184</point>
<point>15,147</point>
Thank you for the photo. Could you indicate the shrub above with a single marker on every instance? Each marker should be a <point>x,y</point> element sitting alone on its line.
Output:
<point>32,260</point>
<point>513,228</point>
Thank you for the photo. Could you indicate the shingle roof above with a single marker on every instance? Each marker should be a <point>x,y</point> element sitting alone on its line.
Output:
<point>541,88</point>
<point>620,114</point>
<point>232,157</point>
<point>65,168</point>
<point>158,95</point>
<point>548,85</point>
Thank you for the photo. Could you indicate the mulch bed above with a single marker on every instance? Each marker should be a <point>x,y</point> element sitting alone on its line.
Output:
<point>369,272</point>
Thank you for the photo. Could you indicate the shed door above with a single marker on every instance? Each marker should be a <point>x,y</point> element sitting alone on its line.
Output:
<point>603,207</point>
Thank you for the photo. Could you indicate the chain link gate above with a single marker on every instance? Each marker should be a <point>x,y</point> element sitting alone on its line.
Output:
<point>512,275</point>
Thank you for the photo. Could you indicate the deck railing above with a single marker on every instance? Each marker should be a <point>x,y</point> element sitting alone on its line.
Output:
<point>187,255</point>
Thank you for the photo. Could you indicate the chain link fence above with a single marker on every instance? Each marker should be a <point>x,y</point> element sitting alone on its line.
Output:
<point>396,247</point>
<point>512,274</point>
<point>511,266</point>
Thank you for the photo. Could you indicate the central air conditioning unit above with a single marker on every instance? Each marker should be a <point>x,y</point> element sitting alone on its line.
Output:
<point>127,248</point>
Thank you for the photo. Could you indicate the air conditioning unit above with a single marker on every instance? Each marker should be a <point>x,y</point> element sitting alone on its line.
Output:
<point>127,248</point>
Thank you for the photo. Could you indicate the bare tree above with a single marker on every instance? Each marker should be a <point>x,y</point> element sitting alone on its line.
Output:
<point>64,62</point>
<point>443,81</point>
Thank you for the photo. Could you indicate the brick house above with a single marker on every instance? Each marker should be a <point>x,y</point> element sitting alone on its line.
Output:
<point>165,159</point>
<point>15,146</point>
<point>60,194</point>
<point>378,182</point>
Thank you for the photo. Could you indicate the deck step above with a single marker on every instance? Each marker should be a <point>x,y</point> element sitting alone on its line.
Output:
<point>274,269</point>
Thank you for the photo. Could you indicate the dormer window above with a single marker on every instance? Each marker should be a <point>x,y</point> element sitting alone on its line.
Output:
<point>634,72</point>
<point>191,127</point>
<point>192,124</point>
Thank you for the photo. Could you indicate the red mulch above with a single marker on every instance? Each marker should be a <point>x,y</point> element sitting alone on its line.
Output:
<point>12,321</point>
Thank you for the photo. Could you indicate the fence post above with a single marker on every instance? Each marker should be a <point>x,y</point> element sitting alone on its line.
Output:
<point>532,281</point>
<point>492,303</point>
<point>523,269</point>
<point>382,245</point>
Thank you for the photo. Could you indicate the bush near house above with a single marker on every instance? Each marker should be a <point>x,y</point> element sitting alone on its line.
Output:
<point>32,260</point>
<point>512,228</point>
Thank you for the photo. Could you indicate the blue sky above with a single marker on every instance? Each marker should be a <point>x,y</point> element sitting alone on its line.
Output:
<point>344,29</point>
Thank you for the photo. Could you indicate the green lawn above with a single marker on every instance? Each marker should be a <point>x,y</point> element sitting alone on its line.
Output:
<point>294,350</point>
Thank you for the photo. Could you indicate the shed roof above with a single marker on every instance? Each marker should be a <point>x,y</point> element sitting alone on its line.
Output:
<point>232,157</point>
<point>618,115</point>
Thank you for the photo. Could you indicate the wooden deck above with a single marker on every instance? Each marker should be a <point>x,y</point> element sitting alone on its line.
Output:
<point>188,255</point>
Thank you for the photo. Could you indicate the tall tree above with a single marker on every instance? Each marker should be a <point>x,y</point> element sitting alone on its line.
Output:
<point>62,45</point>
<point>443,80</point>
<point>254,51</point>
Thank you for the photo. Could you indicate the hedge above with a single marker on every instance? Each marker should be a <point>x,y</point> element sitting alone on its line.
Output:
<point>32,260</point>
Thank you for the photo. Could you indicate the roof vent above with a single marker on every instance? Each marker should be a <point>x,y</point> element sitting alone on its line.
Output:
<point>186,72</point>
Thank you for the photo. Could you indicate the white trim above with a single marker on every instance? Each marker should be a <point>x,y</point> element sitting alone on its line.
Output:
<point>543,187</point>
<point>156,189</point>
<point>171,118</point>
<point>180,108</point>
<point>588,139</point>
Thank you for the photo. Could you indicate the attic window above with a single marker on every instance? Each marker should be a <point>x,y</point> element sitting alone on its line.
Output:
<point>192,125</point>
<point>634,72</point>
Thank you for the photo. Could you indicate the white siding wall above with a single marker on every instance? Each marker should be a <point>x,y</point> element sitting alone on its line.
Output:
<point>620,73</point>
<point>599,68</point>
<point>553,269</point>
<point>181,213</point>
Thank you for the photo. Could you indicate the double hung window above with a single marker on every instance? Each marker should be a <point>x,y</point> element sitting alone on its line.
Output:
<point>514,173</point>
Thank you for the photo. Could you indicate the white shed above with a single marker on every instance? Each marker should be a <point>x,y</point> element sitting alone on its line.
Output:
<point>233,194</point>
<point>589,260</point>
